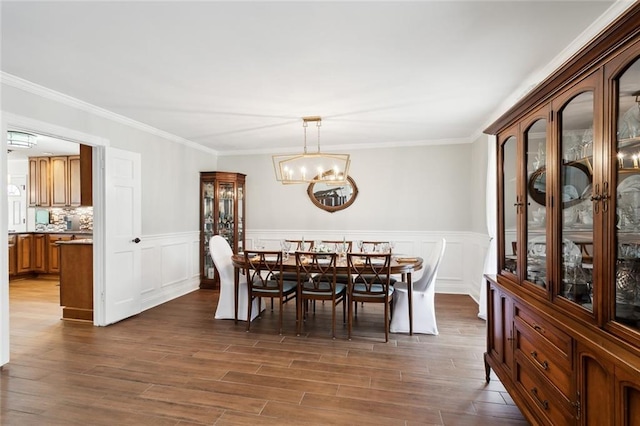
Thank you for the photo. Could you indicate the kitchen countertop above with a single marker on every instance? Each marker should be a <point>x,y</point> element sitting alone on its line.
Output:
<point>78,241</point>
<point>53,232</point>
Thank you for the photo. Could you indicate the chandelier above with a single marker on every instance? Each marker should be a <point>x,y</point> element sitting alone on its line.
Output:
<point>21,140</point>
<point>311,167</point>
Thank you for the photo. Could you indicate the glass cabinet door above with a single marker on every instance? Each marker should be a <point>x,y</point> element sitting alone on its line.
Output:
<point>535,138</point>
<point>627,198</point>
<point>240,216</point>
<point>208,230</point>
<point>226,214</point>
<point>510,205</point>
<point>574,199</point>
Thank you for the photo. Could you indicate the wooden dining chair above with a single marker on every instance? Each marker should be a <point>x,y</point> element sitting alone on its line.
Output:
<point>263,270</point>
<point>369,282</point>
<point>301,245</point>
<point>373,246</point>
<point>323,285</point>
<point>335,245</point>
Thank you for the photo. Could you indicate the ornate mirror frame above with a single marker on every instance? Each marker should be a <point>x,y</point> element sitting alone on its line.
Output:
<point>333,200</point>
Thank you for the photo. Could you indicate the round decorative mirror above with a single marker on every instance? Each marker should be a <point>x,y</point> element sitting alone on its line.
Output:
<point>577,185</point>
<point>333,197</point>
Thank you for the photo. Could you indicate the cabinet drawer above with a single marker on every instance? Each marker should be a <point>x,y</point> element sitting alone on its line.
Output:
<point>545,402</point>
<point>554,336</point>
<point>545,359</point>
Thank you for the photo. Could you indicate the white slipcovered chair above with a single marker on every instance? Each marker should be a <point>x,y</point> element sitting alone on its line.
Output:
<point>221,253</point>
<point>424,314</point>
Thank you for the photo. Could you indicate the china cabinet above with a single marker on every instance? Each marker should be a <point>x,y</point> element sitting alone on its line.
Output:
<point>563,329</point>
<point>222,212</point>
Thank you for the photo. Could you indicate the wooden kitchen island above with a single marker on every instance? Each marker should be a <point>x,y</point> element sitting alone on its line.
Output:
<point>76,279</point>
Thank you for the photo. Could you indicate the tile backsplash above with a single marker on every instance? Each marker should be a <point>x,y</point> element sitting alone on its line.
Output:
<point>81,219</point>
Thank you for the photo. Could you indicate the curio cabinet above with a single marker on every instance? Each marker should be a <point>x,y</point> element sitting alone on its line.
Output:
<point>222,212</point>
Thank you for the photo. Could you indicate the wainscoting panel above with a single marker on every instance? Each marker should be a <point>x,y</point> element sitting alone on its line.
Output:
<point>170,267</point>
<point>461,269</point>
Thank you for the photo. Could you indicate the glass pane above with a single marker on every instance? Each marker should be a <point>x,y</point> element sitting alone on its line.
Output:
<point>240,223</point>
<point>225,212</point>
<point>536,143</point>
<point>577,207</point>
<point>627,292</point>
<point>207,215</point>
<point>509,209</point>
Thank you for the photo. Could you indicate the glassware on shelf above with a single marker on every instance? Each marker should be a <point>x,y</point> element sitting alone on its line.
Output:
<point>629,123</point>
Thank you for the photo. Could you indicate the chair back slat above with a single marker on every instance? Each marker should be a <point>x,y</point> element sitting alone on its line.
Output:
<point>298,245</point>
<point>335,245</point>
<point>375,246</point>
<point>316,271</point>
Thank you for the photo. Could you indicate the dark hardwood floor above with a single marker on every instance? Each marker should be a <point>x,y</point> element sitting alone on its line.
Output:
<point>176,365</point>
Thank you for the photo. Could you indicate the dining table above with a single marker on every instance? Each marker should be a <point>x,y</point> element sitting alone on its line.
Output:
<point>400,264</point>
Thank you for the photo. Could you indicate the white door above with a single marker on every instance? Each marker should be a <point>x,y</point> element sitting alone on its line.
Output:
<point>122,289</point>
<point>17,192</point>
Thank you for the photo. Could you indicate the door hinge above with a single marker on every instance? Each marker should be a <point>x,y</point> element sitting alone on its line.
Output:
<point>577,406</point>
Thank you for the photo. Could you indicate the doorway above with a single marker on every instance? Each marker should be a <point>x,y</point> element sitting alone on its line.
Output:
<point>44,183</point>
<point>21,123</point>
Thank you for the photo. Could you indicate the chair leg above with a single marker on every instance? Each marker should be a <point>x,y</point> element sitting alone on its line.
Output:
<point>299,313</point>
<point>279,315</point>
<point>333,317</point>
<point>250,297</point>
<point>350,319</point>
<point>386,322</point>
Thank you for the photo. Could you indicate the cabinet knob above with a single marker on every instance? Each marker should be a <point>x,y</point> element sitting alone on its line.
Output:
<point>136,240</point>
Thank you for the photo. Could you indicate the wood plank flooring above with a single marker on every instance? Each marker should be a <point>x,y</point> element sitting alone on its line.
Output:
<point>176,365</point>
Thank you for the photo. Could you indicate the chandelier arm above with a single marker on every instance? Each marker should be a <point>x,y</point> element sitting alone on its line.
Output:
<point>304,124</point>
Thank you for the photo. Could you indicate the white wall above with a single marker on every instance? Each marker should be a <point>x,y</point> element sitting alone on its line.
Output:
<point>423,188</point>
<point>412,195</point>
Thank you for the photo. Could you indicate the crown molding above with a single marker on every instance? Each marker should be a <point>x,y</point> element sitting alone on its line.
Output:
<point>36,89</point>
<point>353,147</point>
<point>618,8</point>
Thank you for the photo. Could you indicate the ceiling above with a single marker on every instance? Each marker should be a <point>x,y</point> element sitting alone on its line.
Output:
<point>237,77</point>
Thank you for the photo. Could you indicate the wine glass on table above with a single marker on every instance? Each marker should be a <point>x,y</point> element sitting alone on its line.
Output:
<point>286,248</point>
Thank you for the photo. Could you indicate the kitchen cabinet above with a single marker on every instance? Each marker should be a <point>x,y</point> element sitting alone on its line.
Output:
<point>76,279</point>
<point>61,181</point>
<point>39,181</point>
<point>53,252</point>
<point>222,212</point>
<point>563,332</point>
<point>38,255</point>
<point>85,177</point>
<point>23,253</point>
<point>12,255</point>
<point>65,181</point>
